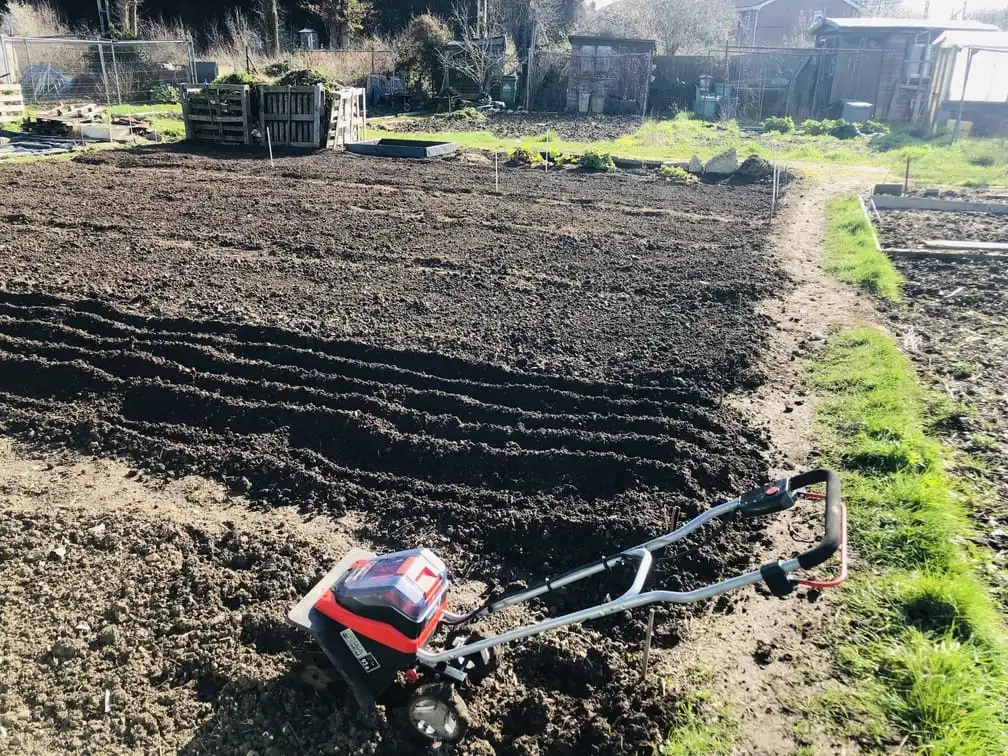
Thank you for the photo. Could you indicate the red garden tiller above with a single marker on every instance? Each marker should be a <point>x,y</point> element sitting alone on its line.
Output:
<point>374,616</point>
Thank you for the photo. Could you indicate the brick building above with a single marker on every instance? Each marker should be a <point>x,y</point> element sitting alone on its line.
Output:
<point>785,23</point>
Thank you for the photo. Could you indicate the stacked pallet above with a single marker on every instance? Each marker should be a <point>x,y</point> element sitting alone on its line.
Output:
<point>283,115</point>
<point>346,121</point>
<point>217,113</point>
<point>292,115</point>
<point>11,102</point>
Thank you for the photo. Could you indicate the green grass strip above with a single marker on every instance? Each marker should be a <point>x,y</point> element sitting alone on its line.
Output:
<point>851,254</point>
<point>970,162</point>
<point>703,726</point>
<point>925,647</point>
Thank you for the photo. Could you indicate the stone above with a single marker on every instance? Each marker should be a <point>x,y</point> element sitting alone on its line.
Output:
<point>108,635</point>
<point>118,612</point>
<point>64,651</point>
<point>58,553</point>
<point>695,165</point>
<point>896,190</point>
<point>723,164</point>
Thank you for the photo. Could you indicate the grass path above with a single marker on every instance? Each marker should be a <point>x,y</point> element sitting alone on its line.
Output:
<point>923,644</point>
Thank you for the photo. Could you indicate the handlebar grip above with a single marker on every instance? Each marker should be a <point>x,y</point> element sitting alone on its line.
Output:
<point>832,537</point>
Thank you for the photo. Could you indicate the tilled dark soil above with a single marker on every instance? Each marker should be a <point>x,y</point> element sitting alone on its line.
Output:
<point>522,381</point>
<point>955,325</point>
<point>908,229</point>
<point>570,126</point>
<point>594,276</point>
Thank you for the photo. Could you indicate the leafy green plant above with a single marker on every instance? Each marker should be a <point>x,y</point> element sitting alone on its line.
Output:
<point>833,127</point>
<point>165,94</point>
<point>981,442</point>
<point>468,114</point>
<point>812,127</point>
<point>676,175</point>
<point>277,68</point>
<point>306,77</point>
<point>782,124</point>
<point>874,127</point>
<point>523,156</point>
<point>597,161</point>
<point>239,77</point>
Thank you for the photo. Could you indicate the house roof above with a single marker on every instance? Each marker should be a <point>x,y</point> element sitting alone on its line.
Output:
<point>752,5</point>
<point>591,39</point>
<point>899,24</point>
<point>979,40</point>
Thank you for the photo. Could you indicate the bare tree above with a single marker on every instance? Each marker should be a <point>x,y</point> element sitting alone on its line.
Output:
<point>998,17</point>
<point>885,8</point>
<point>269,15</point>
<point>342,18</point>
<point>474,55</point>
<point>676,25</point>
<point>127,16</point>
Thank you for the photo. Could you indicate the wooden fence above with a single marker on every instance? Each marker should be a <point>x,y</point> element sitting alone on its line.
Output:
<point>292,115</point>
<point>11,102</point>
<point>347,118</point>
<point>217,113</point>
<point>286,116</point>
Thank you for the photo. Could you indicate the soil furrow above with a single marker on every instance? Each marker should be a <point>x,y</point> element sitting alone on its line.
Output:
<point>523,380</point>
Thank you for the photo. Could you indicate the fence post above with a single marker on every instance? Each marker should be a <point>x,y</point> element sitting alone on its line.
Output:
<point>647,86</point>
<point>528,78</point>
<point>6,59</point>
<point>104,73</point>
<point>34,78</point>
<point>192,59</point>
<point>115,70</point>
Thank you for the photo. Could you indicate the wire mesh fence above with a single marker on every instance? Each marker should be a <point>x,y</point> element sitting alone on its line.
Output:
<point>595,83</point>
<point>752,84</point>
<point>105,71</point>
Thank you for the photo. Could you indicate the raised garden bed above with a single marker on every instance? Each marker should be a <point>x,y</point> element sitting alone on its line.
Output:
<point>410,148</point>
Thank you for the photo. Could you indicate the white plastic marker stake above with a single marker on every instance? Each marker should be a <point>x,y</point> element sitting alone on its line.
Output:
<point>269,143</point>
<point>496,171</point>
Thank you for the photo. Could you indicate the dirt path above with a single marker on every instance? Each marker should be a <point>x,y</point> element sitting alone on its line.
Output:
<point>769,660</point>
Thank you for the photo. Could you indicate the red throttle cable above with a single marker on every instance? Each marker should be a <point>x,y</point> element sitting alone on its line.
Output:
<point>843,549</point>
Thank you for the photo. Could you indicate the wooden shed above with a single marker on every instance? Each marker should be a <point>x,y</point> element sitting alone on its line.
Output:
<point>888,62</point>
<point>609,74</point>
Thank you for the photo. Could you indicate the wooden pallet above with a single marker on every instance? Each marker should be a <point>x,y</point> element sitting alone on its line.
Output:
<point>348,117</point>
<point>11,102</point>
<point>84,111</point>
<point>293,115</point>
<point>48,126</point>
<point>217,113</point>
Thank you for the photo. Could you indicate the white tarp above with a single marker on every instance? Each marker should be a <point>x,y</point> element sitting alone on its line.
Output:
<point>988,80</point>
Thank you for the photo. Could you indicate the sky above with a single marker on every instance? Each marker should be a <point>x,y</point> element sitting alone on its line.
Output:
<point>938,8</point>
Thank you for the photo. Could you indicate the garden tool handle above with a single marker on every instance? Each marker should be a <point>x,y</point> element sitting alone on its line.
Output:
<point>833,535</point>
